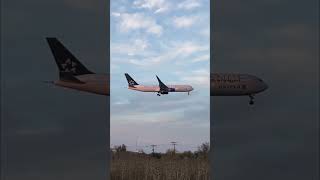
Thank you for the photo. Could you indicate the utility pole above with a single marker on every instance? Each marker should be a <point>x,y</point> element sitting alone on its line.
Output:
<point>153,146</point>
<point>137,144</point>
<point>174,146</point>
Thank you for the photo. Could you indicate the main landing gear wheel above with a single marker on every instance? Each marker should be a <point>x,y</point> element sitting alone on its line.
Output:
<point>158,94</point>
<point>251,102</point>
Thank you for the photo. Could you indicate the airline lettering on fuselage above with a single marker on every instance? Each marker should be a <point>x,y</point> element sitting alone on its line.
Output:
<point>227,80</point>
<point>230,78</point>
<point>232,86</point>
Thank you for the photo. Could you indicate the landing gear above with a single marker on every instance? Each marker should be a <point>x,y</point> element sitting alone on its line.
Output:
<point>251,102</point>
<point>188,92</point>
<point>158,94</point>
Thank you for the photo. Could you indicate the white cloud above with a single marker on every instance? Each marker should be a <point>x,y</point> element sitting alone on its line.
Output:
<point>188,48</point>
<point>198,77</point>
<point>189,4</point>
<point>158,6</point>
<point>121,102</point>
<point>205,32</point>
<point>136,21</point>
<point>160,10</point>
<point>177,51</point>
<point>184,21</point>
<point>115,14</point>
<point>202,58</point>
<point>131,48</point>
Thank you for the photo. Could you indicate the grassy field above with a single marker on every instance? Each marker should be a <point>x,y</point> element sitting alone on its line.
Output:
<point>169,166</point>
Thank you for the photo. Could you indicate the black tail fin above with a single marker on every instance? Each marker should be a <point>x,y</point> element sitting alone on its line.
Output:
<point>130,80</point>
<point>66,61</point>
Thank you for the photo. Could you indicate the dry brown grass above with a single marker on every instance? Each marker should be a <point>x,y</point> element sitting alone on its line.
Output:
<point>133,166</point>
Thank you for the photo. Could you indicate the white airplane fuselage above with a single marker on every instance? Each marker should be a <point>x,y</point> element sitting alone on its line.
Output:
<point>173,88</point>
<point>93,83</point>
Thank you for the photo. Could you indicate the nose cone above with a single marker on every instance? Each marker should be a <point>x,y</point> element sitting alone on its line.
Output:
<point>191,88</point>
<point>263,86</point>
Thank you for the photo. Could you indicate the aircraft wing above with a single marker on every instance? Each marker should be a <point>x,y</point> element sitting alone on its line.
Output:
<point>162,86</point>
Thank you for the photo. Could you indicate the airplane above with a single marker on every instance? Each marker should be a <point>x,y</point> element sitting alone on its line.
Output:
<point>73,74</point>
<point>228,84</point>
<point>160,89</point>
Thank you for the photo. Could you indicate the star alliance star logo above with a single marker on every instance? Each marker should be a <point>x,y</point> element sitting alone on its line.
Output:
<point>69,66</point>
<point>131,83</point>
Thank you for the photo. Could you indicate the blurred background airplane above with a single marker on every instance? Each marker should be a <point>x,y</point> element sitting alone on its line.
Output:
<point>228,84</point>
<point>74,75</point>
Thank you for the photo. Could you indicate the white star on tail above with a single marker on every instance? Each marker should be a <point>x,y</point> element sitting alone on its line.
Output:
<point>69,66</point>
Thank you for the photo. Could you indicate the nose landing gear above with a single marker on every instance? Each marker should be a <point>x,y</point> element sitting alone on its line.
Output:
<point>158,94</point>
<point>251,102</point>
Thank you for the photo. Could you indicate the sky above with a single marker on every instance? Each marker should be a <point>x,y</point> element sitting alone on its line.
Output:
<point>53,133</point>
<point>169,39</point>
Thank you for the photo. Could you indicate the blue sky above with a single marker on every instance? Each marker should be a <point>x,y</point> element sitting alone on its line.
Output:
<point>169,39</point>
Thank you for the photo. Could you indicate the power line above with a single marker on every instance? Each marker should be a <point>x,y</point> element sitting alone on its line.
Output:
<point>143,146</point>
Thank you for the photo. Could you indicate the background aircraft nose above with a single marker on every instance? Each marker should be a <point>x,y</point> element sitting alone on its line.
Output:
<point>263,86</point>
